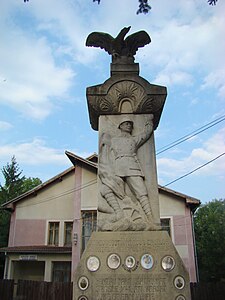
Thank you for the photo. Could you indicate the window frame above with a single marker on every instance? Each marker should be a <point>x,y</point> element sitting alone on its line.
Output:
<point>65,242</point>
<point>65,273</point>
<point>54,232</point>
<point>84,236</point>
<point>170,225</point>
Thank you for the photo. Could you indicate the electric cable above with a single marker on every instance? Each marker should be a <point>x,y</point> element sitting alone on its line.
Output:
<point>196,169</point>
<point>82,186</point>
<point>190,135</point>
<point>169,146</point>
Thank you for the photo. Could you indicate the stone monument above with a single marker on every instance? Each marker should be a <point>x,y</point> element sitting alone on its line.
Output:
<point>129,257</point>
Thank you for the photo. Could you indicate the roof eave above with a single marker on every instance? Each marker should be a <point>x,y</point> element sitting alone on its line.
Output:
<point>37,250</point>
<point>77,160</point>
<point>191,202</point>
<point>7,205</point>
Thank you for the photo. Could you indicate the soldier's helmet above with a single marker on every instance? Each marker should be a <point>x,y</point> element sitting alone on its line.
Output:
<point>126,119</point>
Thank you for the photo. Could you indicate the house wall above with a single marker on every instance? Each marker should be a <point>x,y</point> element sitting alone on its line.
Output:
<point>89,193</point>
<point>29,222</point>
<point>181,226</point>
<point>63,201</point>
<point>85,199</point>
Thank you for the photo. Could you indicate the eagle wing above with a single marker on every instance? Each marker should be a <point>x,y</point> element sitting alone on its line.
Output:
<point>137,40</point>
<point>101,40</point>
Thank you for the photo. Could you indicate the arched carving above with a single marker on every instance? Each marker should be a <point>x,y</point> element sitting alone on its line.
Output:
<point>127,91</point>
<point>125,106</point>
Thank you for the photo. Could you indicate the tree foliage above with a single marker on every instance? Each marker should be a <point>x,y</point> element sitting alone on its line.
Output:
<point>15,185</point>
<point>210,240</point>
<point>13,181</point>
<point>144,6</point>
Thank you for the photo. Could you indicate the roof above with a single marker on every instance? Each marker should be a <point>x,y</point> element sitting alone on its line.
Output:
<point>37,249</point>
<point>192,202</point>
<point>90,163</point>
<point>77,160</point>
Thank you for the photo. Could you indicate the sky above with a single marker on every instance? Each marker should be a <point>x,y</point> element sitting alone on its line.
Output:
<point>45,69</point>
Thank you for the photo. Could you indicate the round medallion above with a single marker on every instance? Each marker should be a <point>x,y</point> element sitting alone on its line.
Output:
<point>82,298</point>
<point>130,262</point>
<point>113,261</point>
<point>180,297</point>
<point>93,263</point>
<point>179,282</point>
<point>83,283</point>
<point>168,263</point>
<point>147,261</point>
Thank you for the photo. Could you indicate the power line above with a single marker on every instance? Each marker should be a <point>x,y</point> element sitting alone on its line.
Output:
<point>169,146</point>
<point>185,175</point>
<point>70,191</point>
<point>190,135</point>
<point>94,181</point>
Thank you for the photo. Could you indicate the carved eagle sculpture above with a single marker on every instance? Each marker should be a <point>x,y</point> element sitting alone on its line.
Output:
<point>118,46</point>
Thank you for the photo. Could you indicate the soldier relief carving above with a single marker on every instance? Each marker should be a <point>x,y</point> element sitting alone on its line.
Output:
<point>125,203</point>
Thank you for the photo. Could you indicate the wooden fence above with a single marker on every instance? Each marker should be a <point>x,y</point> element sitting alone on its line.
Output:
<point>42,290</point>
<point>35,290</point>
<point>208,291</point>
<point>6,289</point>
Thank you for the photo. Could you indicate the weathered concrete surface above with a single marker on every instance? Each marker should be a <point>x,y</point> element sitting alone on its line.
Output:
<point>130,268</point>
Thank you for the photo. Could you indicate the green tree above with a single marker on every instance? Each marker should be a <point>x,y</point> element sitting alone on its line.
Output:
<point>30,183</point>
<point>15,185</point>
<point>13,181</point>
<point>209,223</point>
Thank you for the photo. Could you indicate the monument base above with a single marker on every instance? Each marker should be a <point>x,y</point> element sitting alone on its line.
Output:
<point>131,266</point>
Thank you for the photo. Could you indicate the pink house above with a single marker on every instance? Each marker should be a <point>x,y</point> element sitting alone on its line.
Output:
<point>51,224</point>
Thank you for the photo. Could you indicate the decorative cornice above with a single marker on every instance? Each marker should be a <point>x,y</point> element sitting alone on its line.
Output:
<point>125,93</point>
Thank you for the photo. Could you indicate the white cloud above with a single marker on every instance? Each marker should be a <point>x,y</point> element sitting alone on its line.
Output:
<point>66,19</point>
<point>188,41</point>
<point>31,75</point>
<point>37,153</point>
<point>172,168</point>
<point>216,80</point>
<point>173,78</point>
<point>5,125</point>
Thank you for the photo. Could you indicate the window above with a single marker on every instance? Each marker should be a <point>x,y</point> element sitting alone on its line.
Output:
<point>53,233</point>
<point>89,223</point>
<point>165,223</point>
<point>61,271</point>
<point>68,229</point>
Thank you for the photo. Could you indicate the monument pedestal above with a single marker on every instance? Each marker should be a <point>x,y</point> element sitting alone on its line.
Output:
<point>131,266</point>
